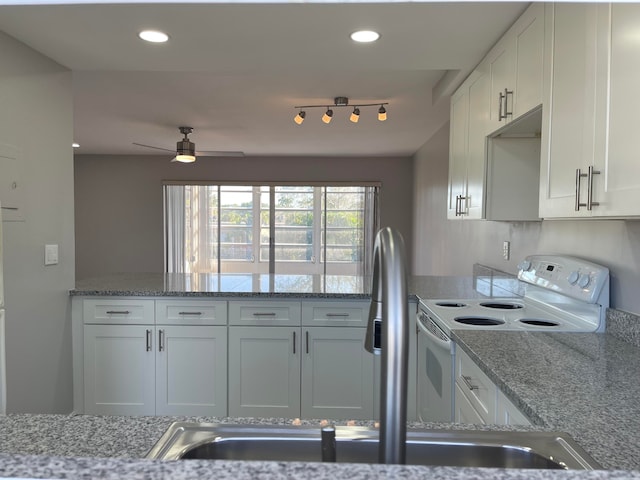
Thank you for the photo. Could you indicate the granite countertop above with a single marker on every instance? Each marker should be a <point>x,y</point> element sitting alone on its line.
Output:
<point>84,446</point>
<point>585,384</point>
<point>265,285</point>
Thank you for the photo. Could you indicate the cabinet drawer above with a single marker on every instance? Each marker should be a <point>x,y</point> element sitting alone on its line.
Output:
<point>118,312</point>
<point>191,312</point>
<point>264,312</point>
<point>335,314</point>
<point>477,387</point>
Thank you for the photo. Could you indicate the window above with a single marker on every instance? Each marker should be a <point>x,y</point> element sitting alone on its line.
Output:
<point>289,229</point>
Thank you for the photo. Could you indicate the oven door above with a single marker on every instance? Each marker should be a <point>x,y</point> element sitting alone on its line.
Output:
<point>435,371</point>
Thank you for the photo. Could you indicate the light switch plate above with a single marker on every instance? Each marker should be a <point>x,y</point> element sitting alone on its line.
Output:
<point>51,254</point>
<point>506,250</point>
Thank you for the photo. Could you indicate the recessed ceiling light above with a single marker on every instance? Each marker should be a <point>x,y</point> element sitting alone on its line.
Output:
<point>365,36</point>
<point>153,36</point>
<point>75,145</point>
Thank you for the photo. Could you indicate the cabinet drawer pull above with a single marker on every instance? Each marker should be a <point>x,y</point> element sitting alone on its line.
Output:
<point>307,341</point>
<point>118,312</point>
<point>332,315</point>
<point>149,340</point>
<point>189,313</point>
<point>579,176</point>
<point>467,381</point>
<point>294,342</point>
<point>264,314</point>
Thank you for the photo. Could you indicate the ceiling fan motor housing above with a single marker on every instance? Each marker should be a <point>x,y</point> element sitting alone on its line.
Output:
<point>185,147</point>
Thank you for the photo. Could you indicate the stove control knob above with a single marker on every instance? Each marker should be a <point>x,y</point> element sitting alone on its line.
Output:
<point>584,281</point>
<point>524,265</point>
<point>573,277</point>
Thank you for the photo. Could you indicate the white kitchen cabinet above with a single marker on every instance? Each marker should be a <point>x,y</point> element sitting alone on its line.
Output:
<point>589,166</point>
<point>515,67</point>
<point>571,123</point>
<point>478,400</point>
<point>264,371</point>
<point>119,370</point>
<point>467,157</point>
<point>337,374</point>
<point>465,411</point>
<point>191,370</point>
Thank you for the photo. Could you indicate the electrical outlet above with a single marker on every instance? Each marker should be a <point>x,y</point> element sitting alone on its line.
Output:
<point>506,250</point>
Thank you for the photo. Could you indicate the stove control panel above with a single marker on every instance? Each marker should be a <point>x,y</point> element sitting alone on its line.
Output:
<point>569,276</point>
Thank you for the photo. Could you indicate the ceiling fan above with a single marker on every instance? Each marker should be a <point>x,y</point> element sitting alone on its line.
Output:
<point>185,151</point>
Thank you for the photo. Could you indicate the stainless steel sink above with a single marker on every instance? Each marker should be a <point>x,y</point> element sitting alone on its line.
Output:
<point>462,448</point>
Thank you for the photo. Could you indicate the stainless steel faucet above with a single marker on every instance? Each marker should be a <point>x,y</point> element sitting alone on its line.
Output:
<point>388,335</point>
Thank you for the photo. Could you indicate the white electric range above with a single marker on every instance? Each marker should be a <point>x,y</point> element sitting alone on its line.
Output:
<point>561,294</point>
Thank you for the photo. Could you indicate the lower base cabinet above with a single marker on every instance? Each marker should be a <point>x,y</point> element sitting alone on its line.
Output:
<point>161,370</point>
<point>314,372</point>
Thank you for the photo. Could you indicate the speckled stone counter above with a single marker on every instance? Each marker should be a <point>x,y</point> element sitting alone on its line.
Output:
<point>581,383</point>
<point>265,286</point>
<point>59,446</point>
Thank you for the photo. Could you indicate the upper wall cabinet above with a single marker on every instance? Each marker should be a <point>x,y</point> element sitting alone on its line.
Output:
<point>515,65</point>
<point>478,164</point>
<point>589,149</point>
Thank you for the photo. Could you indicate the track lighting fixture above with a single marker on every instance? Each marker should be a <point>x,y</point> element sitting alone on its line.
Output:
<point>299,118</point>
<point>382,113</point>
<point>355,115</point>
<point>340,102</point>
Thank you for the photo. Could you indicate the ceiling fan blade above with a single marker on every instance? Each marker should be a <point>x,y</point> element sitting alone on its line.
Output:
<point>218,153</point>
<point>151,146</point>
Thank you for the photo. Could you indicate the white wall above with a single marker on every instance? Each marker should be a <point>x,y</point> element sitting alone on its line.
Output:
<point>118,199</point>
<point>450,247</point>
<point>36,116</point>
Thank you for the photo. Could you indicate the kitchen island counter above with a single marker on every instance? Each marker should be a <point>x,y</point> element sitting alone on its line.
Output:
<point>83,446</point>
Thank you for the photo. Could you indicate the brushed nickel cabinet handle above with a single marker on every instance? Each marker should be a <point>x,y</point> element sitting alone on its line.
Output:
<point>118,312</point>
<point>307,341</point>
<point>264,314</point>
<point>160,340</point>
<point>294,342</point>
<point>333,315</point>
<point>149,340</point>
<point>189,313</point>
<point>590,173</point>
<point>467,381</point>
<point>579,176</point>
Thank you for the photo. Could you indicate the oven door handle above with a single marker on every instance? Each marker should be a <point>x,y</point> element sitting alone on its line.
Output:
<point>443,343</point>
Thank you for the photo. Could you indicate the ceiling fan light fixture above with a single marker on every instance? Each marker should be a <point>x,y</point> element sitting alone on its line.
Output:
<point>328,115</point>
<point>299,118</point>
<point>355,115</point>
<point>382,113</point>
<point>185,148</point>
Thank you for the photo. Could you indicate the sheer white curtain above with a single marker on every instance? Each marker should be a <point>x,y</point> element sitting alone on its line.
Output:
<point>371,227</point>
<point>174,218</point>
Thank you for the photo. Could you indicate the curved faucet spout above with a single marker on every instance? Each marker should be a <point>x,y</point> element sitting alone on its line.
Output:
<point>388,335</point>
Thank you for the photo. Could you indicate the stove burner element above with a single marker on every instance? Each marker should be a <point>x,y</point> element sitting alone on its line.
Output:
<point>539,323</point>
<point>451,304</point>
<point>479,321</point>
<point>501,305</point>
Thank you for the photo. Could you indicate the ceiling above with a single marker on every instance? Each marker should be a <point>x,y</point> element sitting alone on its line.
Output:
<point>234,72</point>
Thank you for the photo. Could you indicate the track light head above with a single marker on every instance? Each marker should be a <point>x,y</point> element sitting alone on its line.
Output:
<point>299,118</point>
<point>382,113</point>
<point>355,115</point>
<point>328,115</point>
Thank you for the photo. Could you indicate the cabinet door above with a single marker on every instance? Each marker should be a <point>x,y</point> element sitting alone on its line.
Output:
<point>477,143</point>
<point>191,371</point>
<point>507,413</point>
<point>501,65</point>
<point>264,372</point>
<point>458,148</point>
<point>464,411</point>
<point>569,124</point>
<point>528,33</point>
<point>337,374</point>
<point>119,370</point>
<point>617,187</point>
